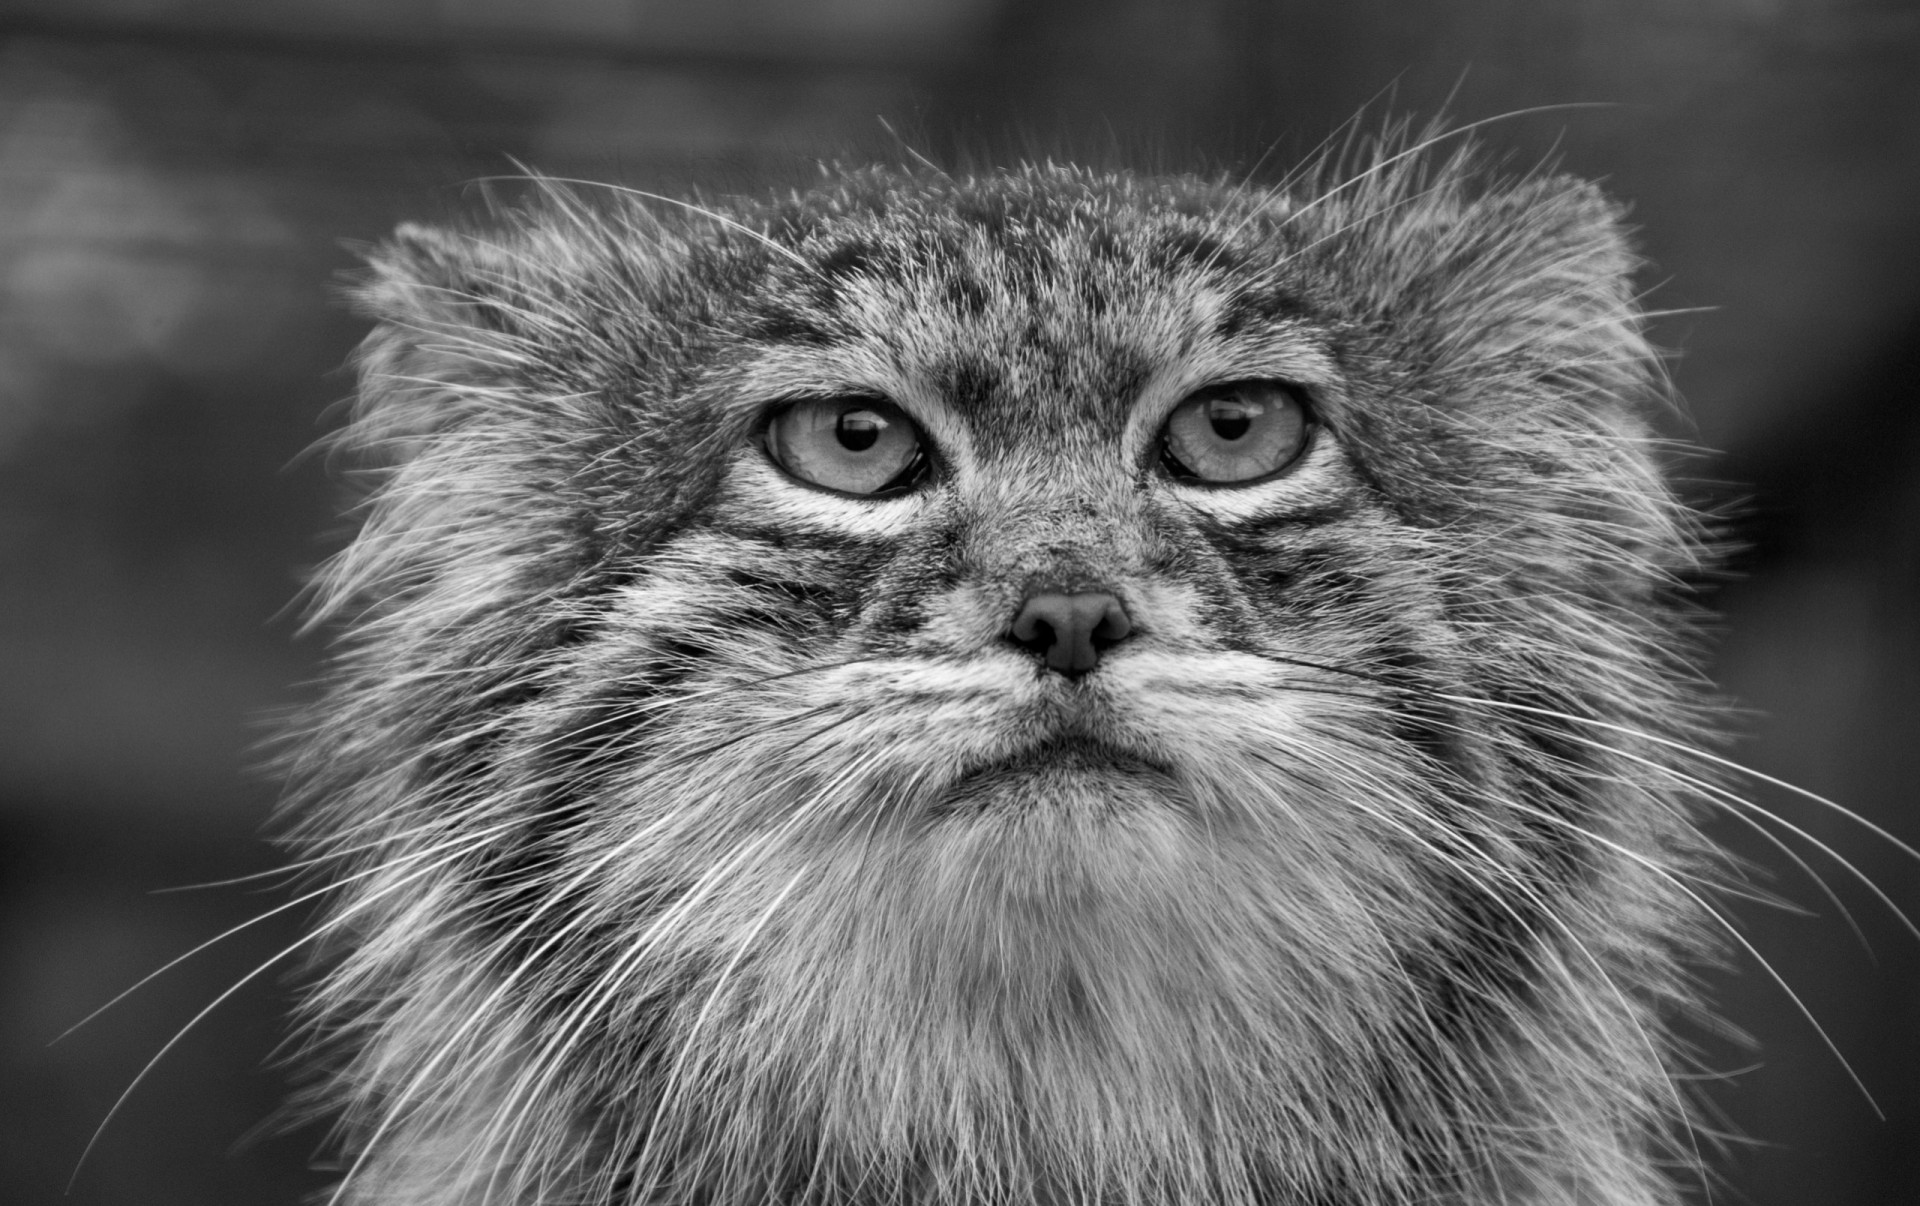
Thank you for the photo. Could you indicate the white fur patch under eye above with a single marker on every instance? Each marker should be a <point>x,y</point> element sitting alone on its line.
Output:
<point>1321,475</point>
<point>758,491</point>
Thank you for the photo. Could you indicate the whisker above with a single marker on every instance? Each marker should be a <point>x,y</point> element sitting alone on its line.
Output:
<point>1704,755</point>
<point>1732,931</point>
<point>717,219</point>
<point>281,872</point>
<point>530,1086</point>
<point>317,933</point>
<point>316,894</point>
<point>721,690</point>
<point>1714,791</point>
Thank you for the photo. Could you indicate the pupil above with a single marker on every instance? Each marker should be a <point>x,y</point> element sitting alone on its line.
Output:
<point>858,430</point>
<point>1231,420</point>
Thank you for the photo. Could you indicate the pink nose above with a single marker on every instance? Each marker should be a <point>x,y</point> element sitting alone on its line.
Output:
<point>1070,629</point>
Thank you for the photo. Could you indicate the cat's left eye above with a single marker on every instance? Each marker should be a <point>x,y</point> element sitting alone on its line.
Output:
<point>1235,433</point>
<point>853,445</point>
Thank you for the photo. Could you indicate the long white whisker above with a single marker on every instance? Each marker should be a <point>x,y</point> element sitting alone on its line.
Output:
<point>1703,755</point>
<point>318,933</point>
<point>329,888</point>
<point>717,219</point>
<point>1714,790</point>
<point>1732,930</point>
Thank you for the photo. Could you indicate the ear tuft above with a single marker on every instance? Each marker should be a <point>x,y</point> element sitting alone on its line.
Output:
<point>445,346</point>
<point>1541,270</point>
<point>427,277</point>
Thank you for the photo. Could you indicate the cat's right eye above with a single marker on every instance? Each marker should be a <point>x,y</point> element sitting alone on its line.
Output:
<point>854,445</point>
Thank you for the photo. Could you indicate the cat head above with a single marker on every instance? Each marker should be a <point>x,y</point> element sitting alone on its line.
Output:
<point>1041,686</point>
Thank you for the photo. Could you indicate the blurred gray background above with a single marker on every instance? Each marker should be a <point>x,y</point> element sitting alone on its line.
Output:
<point>177,178</point>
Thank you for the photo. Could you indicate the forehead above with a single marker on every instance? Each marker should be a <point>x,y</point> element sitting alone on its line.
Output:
<point>1055,311</point>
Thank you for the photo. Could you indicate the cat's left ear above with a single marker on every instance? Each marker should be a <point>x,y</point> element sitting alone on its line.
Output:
<point>1574,262</point>
<point>1541,270</point>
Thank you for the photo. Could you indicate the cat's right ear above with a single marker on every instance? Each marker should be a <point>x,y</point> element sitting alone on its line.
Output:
<point>447,335</point>
<point>428,279</point>
<point>444,408</point>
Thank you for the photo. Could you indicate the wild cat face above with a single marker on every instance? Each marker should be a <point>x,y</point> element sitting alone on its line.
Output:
<point>1041,688</point>
<point>957,528</point>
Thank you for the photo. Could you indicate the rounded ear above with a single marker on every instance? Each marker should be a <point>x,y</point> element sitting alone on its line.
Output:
<point>451,404</point>
<point>1541,270</point>
<point>426,278</point>
<point>446,304</point>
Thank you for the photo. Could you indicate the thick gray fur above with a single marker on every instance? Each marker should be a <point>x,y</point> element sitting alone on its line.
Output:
<point>700,837</point>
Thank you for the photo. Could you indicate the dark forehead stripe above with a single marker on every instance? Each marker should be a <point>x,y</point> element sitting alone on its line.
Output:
<point>1000,255</point>
<point>855,257</point>
<point>880,208</point>
<point>1192,248</point>
<point>966,293</point>
<point>805,314</point>
<point>776,322</point>
<point>885,225</point>
<point>968,383</point>
<point>1247,309</point>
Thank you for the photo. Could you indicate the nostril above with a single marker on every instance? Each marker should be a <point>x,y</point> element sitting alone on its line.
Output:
<point>1069,629</point>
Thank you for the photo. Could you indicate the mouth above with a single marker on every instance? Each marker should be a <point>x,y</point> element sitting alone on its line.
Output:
<point>1061,770</point>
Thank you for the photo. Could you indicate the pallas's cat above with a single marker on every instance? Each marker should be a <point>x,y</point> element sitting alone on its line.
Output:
<point>1047,687</point>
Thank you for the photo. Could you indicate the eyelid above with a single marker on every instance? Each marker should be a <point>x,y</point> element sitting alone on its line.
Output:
<point>779,377</point>
<point>775,407</point>
<point>1295,357</point>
